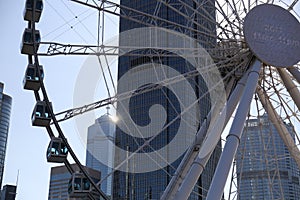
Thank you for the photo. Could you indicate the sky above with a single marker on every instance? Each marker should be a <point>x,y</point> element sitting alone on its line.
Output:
<point>61,21</point>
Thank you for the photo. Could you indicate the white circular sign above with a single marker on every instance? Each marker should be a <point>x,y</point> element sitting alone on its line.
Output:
<point>273,35</point>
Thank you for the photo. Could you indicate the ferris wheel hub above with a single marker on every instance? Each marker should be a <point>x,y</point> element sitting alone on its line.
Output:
<point>272,34</point>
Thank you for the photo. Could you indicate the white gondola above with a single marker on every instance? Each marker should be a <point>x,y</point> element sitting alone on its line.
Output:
<point>57,151</point>
<point>27,41</point>
<point>28,11</point>
<point>32,80</point>
<point>79,186</point>
<point>41,115</point>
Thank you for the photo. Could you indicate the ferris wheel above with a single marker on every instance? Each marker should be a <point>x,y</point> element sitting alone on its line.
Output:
<point>247,54</point>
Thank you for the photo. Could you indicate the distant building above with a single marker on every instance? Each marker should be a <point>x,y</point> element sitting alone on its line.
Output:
<point>265,167</point>
<point>9,192</point>
<point>59,179</point>
<point>5,108</point>
<point>100,145</point>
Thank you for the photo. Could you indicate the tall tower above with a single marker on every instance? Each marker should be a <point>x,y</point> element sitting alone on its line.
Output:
<point>100,154</point>
<point>5,108</point>
<point>265,168</point>
<point>150,185</point>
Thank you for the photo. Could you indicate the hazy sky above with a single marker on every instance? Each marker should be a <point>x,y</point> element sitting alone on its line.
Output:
<point>26,149</point>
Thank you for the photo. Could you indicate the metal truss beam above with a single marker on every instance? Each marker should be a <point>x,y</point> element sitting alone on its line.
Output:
<point>218,54</point>
<point>70,49</point>
<point>233,139</point>
<point>83,109</point>
<point>295,72</point>
<point>192,165</point>
<point>86,108</point>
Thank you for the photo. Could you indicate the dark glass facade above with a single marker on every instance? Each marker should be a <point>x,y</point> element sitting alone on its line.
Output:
<point>267,170</point>
<point>5,109</point>
<point>9,192</point>
<point>150,185</point>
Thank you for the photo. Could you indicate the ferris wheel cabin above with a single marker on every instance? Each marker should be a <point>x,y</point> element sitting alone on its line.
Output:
<point>28,12</point>
<point>57,151</point>
<point>41,115</point>
<point>27,46</point>
<point>79,186</point>
<point>32,79</point>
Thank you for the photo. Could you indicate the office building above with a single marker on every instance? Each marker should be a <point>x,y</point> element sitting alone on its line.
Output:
<point>100,154</point>
<point>59,180</point>
<point>9,192</point>
<point>264,165</point>
<point>5,109</point>
<point>150,185</point>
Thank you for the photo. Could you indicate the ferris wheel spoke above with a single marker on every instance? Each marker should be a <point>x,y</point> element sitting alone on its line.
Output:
<point>279,125</point>
<point>290,86</point>
<point>295,72</point>
<point>235,11</point>
<point>225,16</point>
<point>293,4</point>
<point>283,103</point>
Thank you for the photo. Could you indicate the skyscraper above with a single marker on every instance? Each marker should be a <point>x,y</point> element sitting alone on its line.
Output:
<point>9,192</point>
<point>5,108</point>
<point>150,185</point>
<point>264,165</point>
<point>100,154</point>
<point>59,179</point>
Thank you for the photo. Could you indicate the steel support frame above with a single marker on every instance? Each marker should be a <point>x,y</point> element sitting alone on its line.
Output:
<point>55,48</point>
<point>216,189</point>
<point>186,177</point>
<point>290,86</point>
<point>295,72</point>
